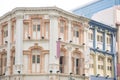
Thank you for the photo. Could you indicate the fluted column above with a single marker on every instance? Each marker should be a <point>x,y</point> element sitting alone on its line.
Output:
<point>19,43</point>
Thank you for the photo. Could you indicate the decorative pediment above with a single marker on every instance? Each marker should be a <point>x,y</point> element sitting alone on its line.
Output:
<point>77,52</point>
<point>36,47</point>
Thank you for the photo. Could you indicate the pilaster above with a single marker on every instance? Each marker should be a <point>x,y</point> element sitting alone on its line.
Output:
<point>86,50</point>
<point>19,44</point>
<point>96,63</point>
<point>104,40</point>
<point>113,50</point>
<point>70,58</point>
<point>95,38</point>
<point>105,65</point>
<point>118,41</point>
<point>8,48</point>
<point>53,60</point>
<point>69,30</point>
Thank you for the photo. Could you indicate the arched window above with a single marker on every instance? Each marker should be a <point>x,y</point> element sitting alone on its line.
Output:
<point>36,60</point>
<point>109,66</point>
<point>63,28</point>
<point>63,60</point>
<point>101,65</point>
<point>77,62</point>
<point>76,32</point>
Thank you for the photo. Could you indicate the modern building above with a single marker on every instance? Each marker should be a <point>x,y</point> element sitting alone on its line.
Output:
<point>107,12</point>
<point>43,43</point>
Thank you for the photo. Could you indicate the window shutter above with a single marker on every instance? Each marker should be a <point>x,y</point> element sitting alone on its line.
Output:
<point>79,65</point>
<point>73,64</point>
<point>63,63</point>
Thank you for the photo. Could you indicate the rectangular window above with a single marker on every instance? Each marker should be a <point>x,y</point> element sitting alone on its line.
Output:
<point>47,26</point>
<point>77,62</point>
<point>110,68</point>
<point>33,58</point>
<point>108,39</point>
<point>77,33</point>
<point>34,28</point>
<point>61,59</point>
<point>90,36</point>
<point>98,66</point>
<point>38,27</point>
<point>97,37</point>
<point>62,25</point>
<point>61,64</point>
<point>102,67</point>
<point>101,38</point>
<point>61,29</point>
<point>13,60</point>
<point>61,69</point>
<point>38,58</point>
<point>5,61</point>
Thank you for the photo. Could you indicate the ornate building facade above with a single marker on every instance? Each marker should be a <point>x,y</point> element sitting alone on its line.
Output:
<point>45,43</point>
<point>48,43</point>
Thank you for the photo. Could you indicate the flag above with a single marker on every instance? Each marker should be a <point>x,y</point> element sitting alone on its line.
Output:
<point>58,49</point>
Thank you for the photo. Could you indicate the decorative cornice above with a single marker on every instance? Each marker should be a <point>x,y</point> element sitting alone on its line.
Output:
<point>56,9</point>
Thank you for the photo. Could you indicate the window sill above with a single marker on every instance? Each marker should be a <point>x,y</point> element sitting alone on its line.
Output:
<point>35,39</point>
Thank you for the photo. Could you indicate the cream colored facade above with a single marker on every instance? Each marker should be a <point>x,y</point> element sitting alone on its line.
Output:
<point>28,44</point>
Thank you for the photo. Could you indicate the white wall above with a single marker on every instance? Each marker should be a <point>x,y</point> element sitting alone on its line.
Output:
<point>118,16</point>
<point>106,16</point>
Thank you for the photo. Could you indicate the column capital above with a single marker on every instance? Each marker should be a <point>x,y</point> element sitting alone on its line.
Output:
<point>19,16</point>
<point>53,16</point>
<point>95,27</point>
<point>105,31</point>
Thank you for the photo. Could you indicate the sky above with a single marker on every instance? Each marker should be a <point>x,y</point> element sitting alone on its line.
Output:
<point>8,5</point>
